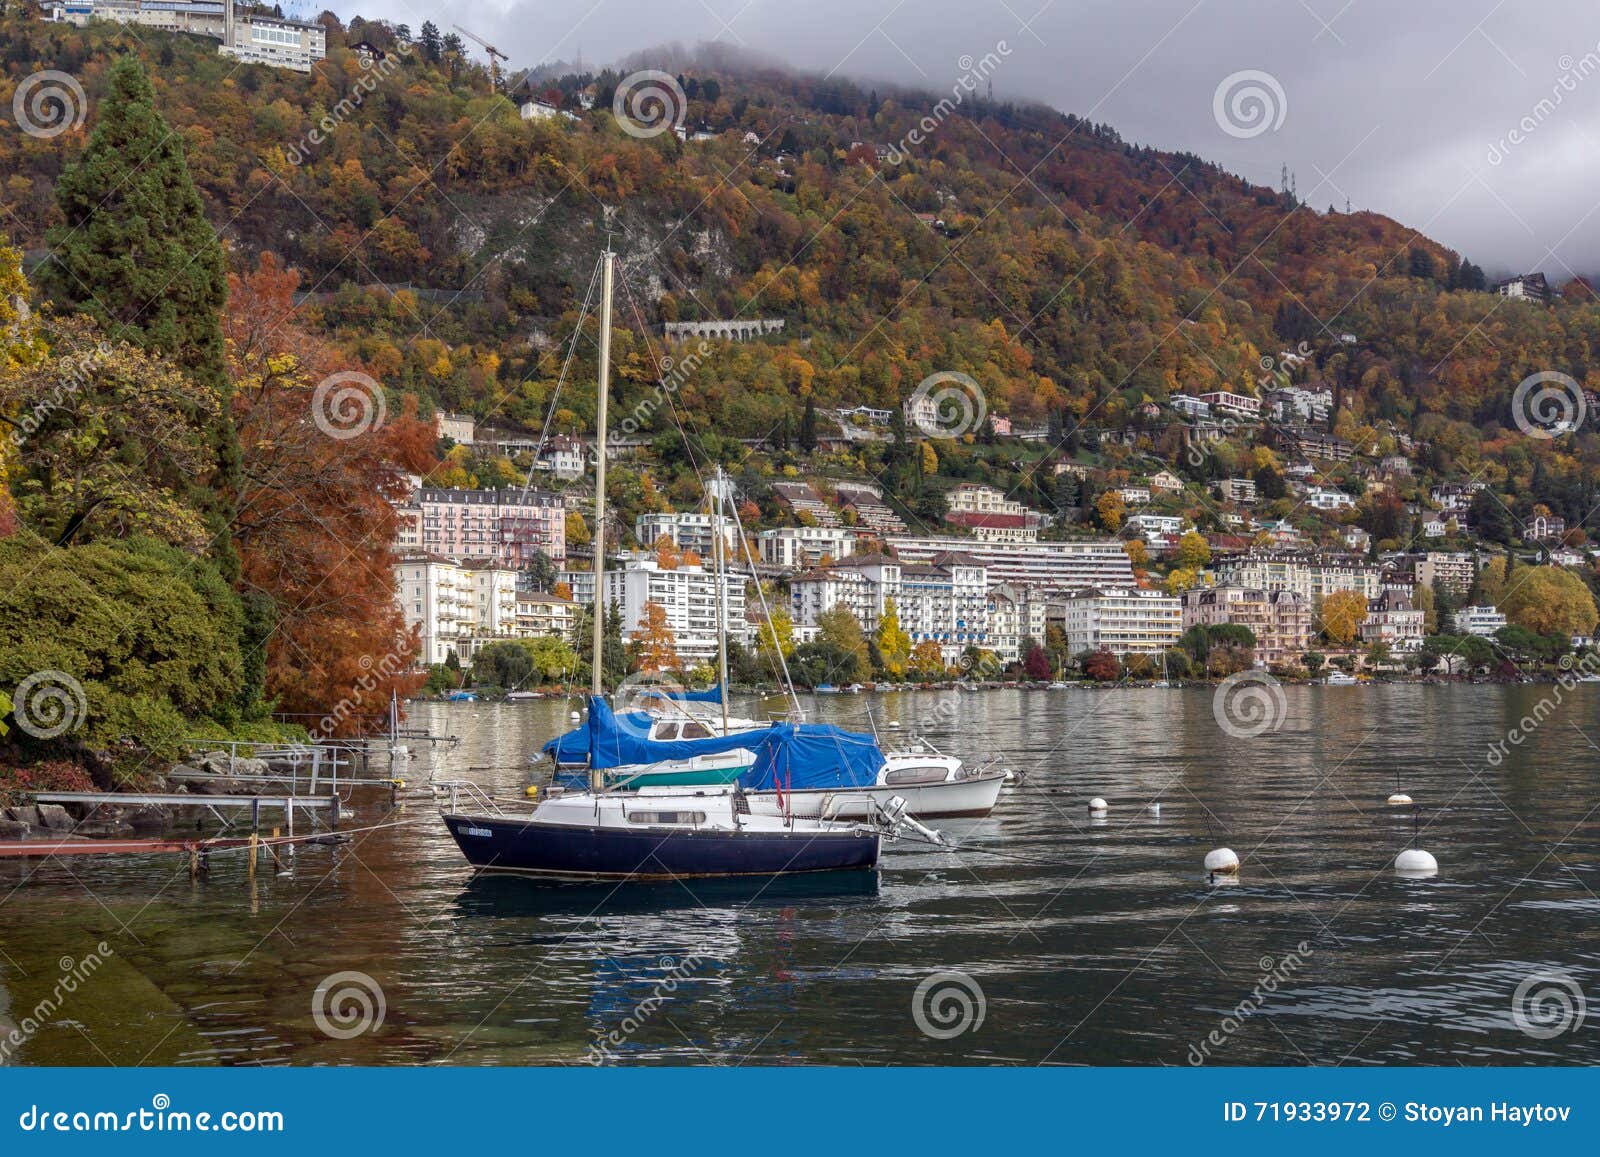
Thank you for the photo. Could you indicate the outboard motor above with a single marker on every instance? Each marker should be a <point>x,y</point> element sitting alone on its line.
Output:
<point>893,820</point>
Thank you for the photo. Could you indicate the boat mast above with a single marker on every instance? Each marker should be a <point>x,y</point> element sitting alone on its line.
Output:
<point>718,555</point>
<point>596,674</point>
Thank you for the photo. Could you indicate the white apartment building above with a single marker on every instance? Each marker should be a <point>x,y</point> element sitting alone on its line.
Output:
<point>459,428</point>
<point>1190,406</point>
<point>1122,620</point>
<point>1233,405</point>
<point>1049,565</point>
<point>1313,575</point>
<point>975,498</point>
<point>688,594</point>
<point>567,457</point>
<point>943,602</point>
<point>1393,621</point>
<point>685,530</point>
<point>456,606</point>
<point>1154,528</point>
<point>1478,620</point>
<point>1016,615</point>
<point>257,37</point>
<point>1324,498</point>
<point>539,614</point>
<point>1238,489</point>
<point>804,547</point>
<point>1294,403</point>
<point>1454,571</point>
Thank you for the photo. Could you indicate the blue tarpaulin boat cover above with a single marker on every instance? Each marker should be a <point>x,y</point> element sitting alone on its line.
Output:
<point>794,756</point>
<point>709,695</point>
<point>610,740</point>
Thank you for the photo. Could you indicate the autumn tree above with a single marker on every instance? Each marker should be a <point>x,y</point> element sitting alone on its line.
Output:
<point>1102,666</point>
<point>1341,615</point>
<point>1550,600</point>
<point>1110,509</point>
<point>894,645</point>
<point>775,637</point>
<point>655,647</point>
<point>1193,551</point>
<point>667,554</point>
<point>927,661</point>
<point>317,517</point>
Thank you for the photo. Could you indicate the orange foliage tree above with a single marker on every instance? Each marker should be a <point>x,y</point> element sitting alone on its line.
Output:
<point>316,520</point>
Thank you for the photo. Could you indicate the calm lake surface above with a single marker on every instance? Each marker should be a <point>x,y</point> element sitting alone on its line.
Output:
<point>1082,941</point>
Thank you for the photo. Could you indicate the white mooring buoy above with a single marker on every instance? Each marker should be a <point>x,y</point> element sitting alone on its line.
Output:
<point>1399,799</point>
<point>574,716</point>
<point>894,725</point>
<point>1097,806</point>
<point>1416,862</point>
<point>1222,861</point>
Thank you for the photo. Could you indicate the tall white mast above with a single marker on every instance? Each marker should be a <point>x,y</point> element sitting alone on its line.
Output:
<point>719,556</point>
<point>596,677</point>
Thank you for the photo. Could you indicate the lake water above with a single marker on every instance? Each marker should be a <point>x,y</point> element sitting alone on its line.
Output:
<point>1079,941</point>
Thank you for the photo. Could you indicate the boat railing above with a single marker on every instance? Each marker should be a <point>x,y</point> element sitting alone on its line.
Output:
<point>474,795</point>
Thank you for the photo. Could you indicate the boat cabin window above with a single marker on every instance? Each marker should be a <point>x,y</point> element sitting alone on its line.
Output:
<point>915,775</point>
<point>666,731</point>
<point>666,817</point>
<point>696,731</point>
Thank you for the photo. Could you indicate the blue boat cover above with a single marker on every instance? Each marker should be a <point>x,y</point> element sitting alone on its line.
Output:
<point>709,695</point>
<point>813,755</point>
<point>609,740</point>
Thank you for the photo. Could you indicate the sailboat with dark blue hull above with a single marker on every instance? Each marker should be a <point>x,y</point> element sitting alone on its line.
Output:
<point>669,833</point>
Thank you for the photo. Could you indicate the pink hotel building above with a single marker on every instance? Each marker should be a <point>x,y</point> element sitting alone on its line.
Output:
<point>507,526</point>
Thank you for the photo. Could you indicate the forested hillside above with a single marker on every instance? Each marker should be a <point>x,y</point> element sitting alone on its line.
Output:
<point>1074,275</point>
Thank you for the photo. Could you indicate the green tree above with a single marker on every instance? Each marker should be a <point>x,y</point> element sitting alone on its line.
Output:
<point>837,627</point>
<point>808,425</point>
<point>135,252</point>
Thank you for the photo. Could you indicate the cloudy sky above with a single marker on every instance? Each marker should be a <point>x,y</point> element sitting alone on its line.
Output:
<point>1477,121</point>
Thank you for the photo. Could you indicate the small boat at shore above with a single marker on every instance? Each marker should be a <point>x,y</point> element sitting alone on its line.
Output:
<point>1340,679</point>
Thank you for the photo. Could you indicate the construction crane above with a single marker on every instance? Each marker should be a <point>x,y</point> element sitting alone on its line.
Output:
<point>495,55</point>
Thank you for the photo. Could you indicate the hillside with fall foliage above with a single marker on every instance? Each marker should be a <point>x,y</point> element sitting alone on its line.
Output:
<point>1074,275</point>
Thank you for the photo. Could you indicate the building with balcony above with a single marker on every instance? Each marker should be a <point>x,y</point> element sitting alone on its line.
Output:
<point>506,526</point>
<point>1122,620</point>
<point>688,594</point>
<point>805,547</point>
<point>1051,566</point>
<point>1280,620</point>
<point>1313,575</point>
